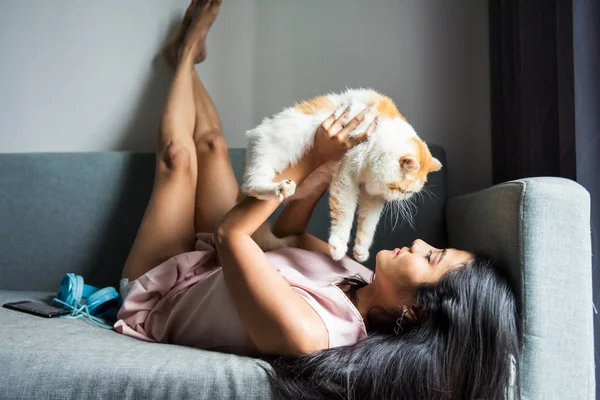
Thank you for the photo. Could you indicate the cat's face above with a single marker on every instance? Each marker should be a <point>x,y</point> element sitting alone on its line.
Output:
<point>402,169</point>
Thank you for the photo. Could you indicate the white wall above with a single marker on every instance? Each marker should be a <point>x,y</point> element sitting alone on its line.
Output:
<point>78,75</point>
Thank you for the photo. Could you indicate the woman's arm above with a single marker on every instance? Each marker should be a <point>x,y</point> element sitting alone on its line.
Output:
<point>294,218</point>
<point>258,290</point>
<point>277,319</point>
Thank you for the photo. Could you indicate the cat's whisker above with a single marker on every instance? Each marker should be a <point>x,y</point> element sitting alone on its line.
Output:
<point>396,206</point>
<point>386,208</point>
<point>402,211</point>
<point>389,209</point>
<point>419,196</point>
<point>428,192</point>
<point>392,208</point>
<point>410,211</point>
<point>409,215</point>
<point>384,211</point>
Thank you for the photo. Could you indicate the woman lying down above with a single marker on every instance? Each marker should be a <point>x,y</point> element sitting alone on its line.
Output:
<point>429,324</point>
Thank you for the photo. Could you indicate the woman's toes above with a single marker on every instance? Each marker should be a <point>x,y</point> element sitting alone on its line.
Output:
<point>170,51</point>
<point>202,19</point>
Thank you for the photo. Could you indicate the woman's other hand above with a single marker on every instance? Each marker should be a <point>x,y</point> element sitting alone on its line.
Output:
<point>333,139</point>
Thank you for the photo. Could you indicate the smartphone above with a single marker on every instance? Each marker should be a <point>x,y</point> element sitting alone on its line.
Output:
<point>35,308</point>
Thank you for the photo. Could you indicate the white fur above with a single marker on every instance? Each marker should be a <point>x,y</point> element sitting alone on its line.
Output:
<point>364,171</point>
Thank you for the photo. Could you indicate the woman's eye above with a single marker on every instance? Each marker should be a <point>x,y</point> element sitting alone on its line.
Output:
<point>428,257</point>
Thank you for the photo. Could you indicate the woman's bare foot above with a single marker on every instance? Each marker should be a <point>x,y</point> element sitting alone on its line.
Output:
<point>198,19</point>
<point>202,19</point>
<point>171,50</point>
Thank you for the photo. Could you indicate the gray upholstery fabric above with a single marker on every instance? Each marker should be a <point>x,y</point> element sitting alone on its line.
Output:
<point>539,229</point>
<point>70,359</point>
<point>79,213</point>
<point>64,213</point>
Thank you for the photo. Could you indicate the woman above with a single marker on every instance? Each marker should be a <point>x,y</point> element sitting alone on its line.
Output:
<point>431,323</point>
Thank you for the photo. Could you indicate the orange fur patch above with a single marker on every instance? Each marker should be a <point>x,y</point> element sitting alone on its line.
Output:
<point>315,105</point>
<point>399,186</point>
<point>335,208</point>
<point>386,108</point>
<point>359,224</point>
<point>427,164</point>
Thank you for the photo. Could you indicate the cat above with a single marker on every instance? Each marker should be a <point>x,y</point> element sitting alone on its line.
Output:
<point>390,166</point>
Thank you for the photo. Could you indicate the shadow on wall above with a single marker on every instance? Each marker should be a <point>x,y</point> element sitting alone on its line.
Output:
<point>141,130</point>
<point>126,201</point>
<point>124,219</point>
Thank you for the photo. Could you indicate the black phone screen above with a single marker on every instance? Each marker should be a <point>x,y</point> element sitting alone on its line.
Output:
<point>35,308</point>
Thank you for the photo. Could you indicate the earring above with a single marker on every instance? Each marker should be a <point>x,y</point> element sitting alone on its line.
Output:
<point>398,328</point>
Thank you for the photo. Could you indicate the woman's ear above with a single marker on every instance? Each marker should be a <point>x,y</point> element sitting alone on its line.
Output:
<point>414,314</point>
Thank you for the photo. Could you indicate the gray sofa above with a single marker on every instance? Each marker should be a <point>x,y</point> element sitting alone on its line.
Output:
<point>79,213</point>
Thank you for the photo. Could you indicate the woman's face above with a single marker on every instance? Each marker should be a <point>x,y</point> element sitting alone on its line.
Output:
<point>399,272</point>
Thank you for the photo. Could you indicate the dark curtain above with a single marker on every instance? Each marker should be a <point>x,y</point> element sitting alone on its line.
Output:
<point>545,99</point>
<point>531,61</point>
<point>586,23</point>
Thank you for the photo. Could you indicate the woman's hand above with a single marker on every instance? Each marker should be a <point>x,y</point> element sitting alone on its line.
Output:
<point>332,139</point>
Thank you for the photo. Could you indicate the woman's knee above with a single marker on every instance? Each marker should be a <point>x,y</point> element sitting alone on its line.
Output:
<point>211,142</point>
<point>177,158</point>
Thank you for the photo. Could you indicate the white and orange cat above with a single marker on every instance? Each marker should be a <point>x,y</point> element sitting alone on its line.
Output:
<point>390,166</point>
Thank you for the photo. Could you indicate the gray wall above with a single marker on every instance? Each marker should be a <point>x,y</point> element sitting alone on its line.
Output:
<point>78,75</point>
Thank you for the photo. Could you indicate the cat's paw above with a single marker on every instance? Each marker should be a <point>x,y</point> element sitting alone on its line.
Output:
<point>361,253</point>
<point>337,248</point>
<point>285,189</point>
<point>280,191</point>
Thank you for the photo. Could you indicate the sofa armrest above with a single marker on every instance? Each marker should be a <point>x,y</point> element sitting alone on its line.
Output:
<point>539,230</point>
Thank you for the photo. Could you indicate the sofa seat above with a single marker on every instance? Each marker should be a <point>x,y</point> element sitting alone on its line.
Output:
<point>62,358</point>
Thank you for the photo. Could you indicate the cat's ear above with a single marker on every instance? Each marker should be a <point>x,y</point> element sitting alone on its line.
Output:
<point>435,165</point>
<point>409,163</point>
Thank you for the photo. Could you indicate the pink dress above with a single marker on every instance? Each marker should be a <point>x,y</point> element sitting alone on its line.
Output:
<point>185,300</point>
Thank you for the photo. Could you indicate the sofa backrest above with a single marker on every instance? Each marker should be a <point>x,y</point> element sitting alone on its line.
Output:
<point>79,212</point>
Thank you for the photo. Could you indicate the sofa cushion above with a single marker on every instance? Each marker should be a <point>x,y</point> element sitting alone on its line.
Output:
<point>71,359</point>
<point>538,229</point>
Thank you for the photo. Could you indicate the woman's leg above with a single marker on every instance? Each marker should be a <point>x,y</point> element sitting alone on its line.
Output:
<point>216,188</point>
<point>167,228</point>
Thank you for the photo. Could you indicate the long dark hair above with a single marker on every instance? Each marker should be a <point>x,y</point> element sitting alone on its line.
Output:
<point>466,346</point>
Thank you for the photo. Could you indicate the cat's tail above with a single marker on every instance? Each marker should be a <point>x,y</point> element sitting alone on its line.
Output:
<point>267,241</point>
